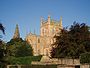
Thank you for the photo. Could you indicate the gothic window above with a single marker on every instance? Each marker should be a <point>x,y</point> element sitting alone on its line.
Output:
<point>43,31</point>
<point>46,52</point>
<point>38,40</point>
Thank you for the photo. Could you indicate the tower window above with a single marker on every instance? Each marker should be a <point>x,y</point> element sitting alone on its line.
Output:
<point>43,31</point>
<point>38,40</point>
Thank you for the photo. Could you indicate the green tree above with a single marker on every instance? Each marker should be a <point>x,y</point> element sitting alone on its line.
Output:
<point>24,50</point>
<point>18,47</point>
<point>13,45</point>
<point>61,46</point>
<point>71,43</point>
<point>81,36</point>
<point>85,58</point>
<point>2,28</point>
<point>2,49</point>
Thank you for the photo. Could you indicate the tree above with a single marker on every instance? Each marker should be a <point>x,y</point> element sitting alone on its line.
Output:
<point>19,48</point>
<point>2,28</point>
<point>81,35</point>
<point>61,46</point>
<point>85,58</point>
<point>2,50</point>
<point>71,43</point>
<point>24,50</point>
<point>12,46</point>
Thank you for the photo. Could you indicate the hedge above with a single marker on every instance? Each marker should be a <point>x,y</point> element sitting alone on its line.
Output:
<point>23,60</point>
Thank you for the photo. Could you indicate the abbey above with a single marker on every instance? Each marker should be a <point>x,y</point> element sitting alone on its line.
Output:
<point>41,44</point>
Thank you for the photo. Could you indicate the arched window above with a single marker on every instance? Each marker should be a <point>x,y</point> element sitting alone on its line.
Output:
<point>38,40</point>
<point>43,31</point>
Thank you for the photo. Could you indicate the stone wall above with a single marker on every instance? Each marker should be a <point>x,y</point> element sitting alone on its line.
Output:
<point>67,61</point>
<point>65,66</point>
<point>85,66</point>
<point>47,60</point>
<point>29,66</point>
<point>61,63</point>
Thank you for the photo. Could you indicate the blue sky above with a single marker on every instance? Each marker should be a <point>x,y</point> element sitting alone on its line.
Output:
<point>27,13</point>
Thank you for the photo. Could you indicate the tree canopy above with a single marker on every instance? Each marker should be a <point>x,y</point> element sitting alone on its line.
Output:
<point>2,28</point>
<point>71,43</point>
<point>19,48</point>
<point>24,50</point>
<point>2,49</point>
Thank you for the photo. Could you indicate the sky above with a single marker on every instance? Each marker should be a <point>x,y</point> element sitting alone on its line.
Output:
<point>27,14</point>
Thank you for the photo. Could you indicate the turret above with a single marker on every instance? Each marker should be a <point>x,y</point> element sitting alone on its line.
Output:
<point>49,25</point>
<point>41,21</point>
<point>61,23</point>
<point>34,31</point>
<point>48,19</point>
<point>16,34</point>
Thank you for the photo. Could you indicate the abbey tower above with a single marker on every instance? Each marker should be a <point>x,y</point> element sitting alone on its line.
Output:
<point>41,44</point>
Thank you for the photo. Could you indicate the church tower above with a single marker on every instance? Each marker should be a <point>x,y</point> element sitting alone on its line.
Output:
<point>16,34</point>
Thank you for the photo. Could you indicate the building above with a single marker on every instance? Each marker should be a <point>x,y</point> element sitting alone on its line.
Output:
<point>41,44</point>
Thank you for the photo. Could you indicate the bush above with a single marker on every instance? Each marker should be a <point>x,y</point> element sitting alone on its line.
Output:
<point>23,60</point>
<point>85,58</point>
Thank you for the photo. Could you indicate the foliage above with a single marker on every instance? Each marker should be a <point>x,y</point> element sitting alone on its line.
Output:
<point>71,43</point>
<point>2,49</point>
<point>24,50</point>
<point>19,48</point>
<point>23,60</point>
<point>2,28</point>
<point>1,42</point>
<point>13,45</point>
<point>85,58</point>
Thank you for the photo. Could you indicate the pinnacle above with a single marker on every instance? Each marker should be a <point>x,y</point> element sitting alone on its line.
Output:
<point>16,34</point>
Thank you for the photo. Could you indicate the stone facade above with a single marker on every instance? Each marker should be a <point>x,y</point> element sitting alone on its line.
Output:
<point>41,44</point>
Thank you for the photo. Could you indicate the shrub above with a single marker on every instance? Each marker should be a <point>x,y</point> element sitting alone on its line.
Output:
<point>23,60</point>
<point>85,58</point>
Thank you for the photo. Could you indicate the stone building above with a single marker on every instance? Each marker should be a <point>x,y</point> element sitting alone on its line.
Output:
<point>41,44</point>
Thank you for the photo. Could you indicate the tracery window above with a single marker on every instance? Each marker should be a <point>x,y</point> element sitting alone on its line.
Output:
<point>38,40</point>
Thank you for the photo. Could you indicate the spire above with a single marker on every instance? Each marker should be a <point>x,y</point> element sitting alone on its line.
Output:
<point>30,31</point>
<point>34,31</point>
<point>16,34</point>
<point>60,22</point>
<point>49,19</point>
